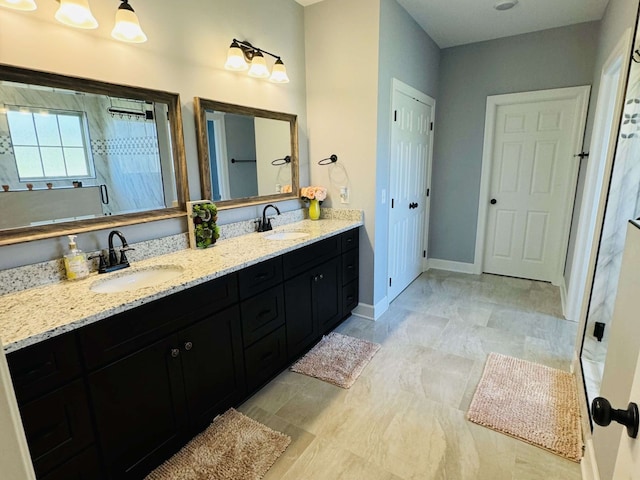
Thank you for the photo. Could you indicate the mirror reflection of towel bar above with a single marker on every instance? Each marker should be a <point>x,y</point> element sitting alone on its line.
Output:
<point>233,160</point>
<point>281,161</point>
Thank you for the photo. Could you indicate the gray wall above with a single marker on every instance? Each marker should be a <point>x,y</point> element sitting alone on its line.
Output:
<point>410,55</point>
<point>555,58</point>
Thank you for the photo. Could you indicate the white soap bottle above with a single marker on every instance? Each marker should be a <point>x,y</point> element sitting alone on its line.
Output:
<point>75,262</point>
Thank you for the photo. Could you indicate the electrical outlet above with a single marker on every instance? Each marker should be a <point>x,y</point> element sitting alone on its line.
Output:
<point>344,194</point>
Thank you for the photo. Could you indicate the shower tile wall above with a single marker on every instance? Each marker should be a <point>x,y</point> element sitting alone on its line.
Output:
<point>622,205</point>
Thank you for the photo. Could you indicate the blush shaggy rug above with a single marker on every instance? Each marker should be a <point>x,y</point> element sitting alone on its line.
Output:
<point>233,447</point>
<point>337,359</point>
<point>530,402</point>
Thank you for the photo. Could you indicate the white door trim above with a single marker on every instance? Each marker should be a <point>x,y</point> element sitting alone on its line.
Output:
<point>595,188</point>
<point>401,87</point>
<point>581,94</point>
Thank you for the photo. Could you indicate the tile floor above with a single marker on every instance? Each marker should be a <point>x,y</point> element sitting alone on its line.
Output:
<point>405,416</point>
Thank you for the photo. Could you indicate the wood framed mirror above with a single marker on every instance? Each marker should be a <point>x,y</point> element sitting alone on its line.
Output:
<point>246,155</point>
<point>78,155</point>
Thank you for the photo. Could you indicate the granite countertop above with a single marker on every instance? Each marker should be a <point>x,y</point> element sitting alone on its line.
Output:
<point>33,315</point>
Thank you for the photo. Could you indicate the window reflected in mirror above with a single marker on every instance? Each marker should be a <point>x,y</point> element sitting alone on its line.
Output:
<point>75,150</point>
<point>246,155</point>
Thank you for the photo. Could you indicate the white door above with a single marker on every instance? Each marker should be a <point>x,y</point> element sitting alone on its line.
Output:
<point>411,142</point>
<point>532,180</point>
<point>620,365</point>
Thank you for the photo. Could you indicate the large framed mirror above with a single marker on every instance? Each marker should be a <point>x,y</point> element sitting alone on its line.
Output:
<point>246,155</point>
<point>78,155</point>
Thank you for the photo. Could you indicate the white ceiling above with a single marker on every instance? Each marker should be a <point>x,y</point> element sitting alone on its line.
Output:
<point>457,22</point>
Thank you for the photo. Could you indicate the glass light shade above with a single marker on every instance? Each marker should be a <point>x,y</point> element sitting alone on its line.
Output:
<point>24,5</point>
<point>258,66</point>
<point>279,73</point>
<point>127,28</point>
<point>76,13</point>
<point>235,59</point>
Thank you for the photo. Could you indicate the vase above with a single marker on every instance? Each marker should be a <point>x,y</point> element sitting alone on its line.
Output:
<point>314,209</point>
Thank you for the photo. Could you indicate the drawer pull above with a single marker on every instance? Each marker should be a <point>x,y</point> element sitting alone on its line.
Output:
<point>350,267</point>
<point>350,298</point>
<point>263,313</point>
<point>175,352</point>
<point>188,346</point>
<point>262,276</point>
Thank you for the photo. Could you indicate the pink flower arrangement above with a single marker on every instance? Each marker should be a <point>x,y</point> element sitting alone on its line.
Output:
<point>313,193</point>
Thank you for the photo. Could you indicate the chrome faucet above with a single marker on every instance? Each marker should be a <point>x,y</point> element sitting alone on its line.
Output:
<point>264,225</point>
<point>114,264</point>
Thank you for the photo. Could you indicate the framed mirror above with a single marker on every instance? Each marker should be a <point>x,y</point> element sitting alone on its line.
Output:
<point>246,155</point>
<point>78,155</point>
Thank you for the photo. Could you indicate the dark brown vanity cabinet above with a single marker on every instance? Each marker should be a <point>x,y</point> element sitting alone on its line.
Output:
<point>53,405</point>
<point>114,399</point>
<point>148,403</point>
<point>314,293</point>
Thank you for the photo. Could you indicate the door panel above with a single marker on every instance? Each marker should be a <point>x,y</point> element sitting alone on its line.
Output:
<point>410,150</point>
<point>532,173</point>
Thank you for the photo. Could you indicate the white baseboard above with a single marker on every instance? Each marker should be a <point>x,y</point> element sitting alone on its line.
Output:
<point>452,266</point>
<point>371,312</point>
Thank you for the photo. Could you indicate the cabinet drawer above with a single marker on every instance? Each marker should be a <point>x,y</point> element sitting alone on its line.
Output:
<point>262,314</point>
<point>257,278</point>
<point>265,358</point>
<point>350,239</point>
<point>349,297</point>
<point>115,337</point>
<point>57,426</point>
<point>350,266</point>
<point>40,368</point>
<point>308,257</point>
<point>84,466</point>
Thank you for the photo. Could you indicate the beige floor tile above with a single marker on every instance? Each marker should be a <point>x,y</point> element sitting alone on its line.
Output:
<point>405,417</point>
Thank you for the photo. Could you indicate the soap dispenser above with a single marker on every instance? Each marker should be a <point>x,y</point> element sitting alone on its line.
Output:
<point>75,262</point>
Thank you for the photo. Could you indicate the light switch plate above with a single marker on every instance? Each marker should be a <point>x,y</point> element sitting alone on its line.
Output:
<point>344,194</point>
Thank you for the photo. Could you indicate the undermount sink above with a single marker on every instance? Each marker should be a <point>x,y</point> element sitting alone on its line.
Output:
<point>135,279</point>
<point>286,235</point>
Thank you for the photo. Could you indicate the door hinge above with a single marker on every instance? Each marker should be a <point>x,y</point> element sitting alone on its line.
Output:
<point>428,191</point>
<point>392,203</point>
<point>431,126</point>
<point>389,281</point>
<point>395,115</point>
<point>424,254</point>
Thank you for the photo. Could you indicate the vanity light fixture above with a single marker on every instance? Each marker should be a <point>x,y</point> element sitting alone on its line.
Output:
<point>127,27</point>
<point>24,5</point>
<point>76,13</point>
<point>242,52</point>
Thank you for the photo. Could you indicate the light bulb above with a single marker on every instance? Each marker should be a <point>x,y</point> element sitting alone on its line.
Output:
<point>23,5</point>
<point>235,58</point>
<point>76,13</point>
<point>279,73</point>
<point>127,27</point>
<point>258,66</point>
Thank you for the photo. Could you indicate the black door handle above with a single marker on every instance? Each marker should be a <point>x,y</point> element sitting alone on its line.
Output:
<point>493,201</point>
<point>603,414</point>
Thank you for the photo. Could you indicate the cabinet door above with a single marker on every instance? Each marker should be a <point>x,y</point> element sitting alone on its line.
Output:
<point>265,358</point>
<point>213,366</point>
<point>327,295</point>
<point>139,407</point>
<point>302,329</point>
<point>84,466</point>
<point>57,426</point>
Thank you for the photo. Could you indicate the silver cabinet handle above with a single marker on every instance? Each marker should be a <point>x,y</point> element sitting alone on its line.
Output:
<point>175,352</point>
<point>188,346</point>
